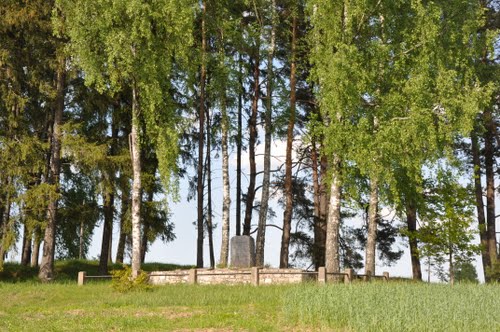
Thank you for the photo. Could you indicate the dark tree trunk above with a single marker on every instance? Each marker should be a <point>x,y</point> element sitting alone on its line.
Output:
<point>478,191</point>
<point>109,199</point>
<point>411,218</point>
<point>26,251</point>
<point>46,272</point>
<point>252,126</point>
<point>203,75</point>
<point>489,162</point>
<point>120,251</point>
<point>319,219</point>
<point>209,194</point>
<point>287,214</point>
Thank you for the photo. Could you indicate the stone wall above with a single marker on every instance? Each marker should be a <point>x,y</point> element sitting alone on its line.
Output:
<point>231,276</point>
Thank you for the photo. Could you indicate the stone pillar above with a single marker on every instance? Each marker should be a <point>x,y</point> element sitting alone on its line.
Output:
<point>81,278</point>
<point>255,276</point>
<point>322,275</point>
<point>349,276</point>
<point>193,276</point>
<point>386,276</point>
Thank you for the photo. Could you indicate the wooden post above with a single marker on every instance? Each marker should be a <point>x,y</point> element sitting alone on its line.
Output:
<point>255,276</point>
<point>322,275</point>
<point>386,276</point>
<point>193,276</point>
<point>349,275</point>
<point>81,278</point>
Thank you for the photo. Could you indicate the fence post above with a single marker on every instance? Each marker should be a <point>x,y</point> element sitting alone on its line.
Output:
<point>349,275</point>
<point>255,276</point>
<point>322,275</point>
<point>193,276</point>
<point>386,276</point>
<point>81,278</point>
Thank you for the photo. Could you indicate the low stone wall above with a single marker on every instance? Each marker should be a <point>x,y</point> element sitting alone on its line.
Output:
<point>170,277</point>
<point>232,276</point>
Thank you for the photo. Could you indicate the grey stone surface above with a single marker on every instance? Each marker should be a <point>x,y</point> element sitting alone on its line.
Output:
<point>242,251</point>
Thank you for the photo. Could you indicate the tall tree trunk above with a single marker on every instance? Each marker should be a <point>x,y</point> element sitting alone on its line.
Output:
<point>411,219</point>
<point>332,257</point>
<point>135,149</point>
<point>26,251</point>
<point>478,192</point>
<point>203,76</point>
<point>319,217</point>
<point>109,199</point>
<point>209,195</point>
<point>489,162</point>
<point>145,230</point>
<point>252,125</point>
<point>372,228</point>
<point>239,143</point>
<point>226,195</point>
<point>120,251</point>
<point>264,202</point>
<point>46,272</point>
<point>287,214</point>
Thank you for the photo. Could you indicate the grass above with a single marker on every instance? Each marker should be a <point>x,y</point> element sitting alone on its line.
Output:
<point>376,306</point>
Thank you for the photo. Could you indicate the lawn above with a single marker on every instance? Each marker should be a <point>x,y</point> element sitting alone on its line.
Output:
<point>377,306</point>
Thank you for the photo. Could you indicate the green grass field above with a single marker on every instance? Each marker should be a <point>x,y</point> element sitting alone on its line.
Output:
<point>376,306</point>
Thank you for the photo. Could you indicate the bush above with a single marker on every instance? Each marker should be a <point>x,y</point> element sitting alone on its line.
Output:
<point>123,282</point>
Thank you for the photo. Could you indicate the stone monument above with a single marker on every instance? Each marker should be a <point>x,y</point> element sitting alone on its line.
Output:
<point>242,251</point>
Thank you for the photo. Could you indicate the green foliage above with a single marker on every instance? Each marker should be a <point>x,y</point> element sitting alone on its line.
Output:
<point>123,281</point>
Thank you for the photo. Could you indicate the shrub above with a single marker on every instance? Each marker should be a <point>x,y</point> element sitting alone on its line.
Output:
<point>123,282</point>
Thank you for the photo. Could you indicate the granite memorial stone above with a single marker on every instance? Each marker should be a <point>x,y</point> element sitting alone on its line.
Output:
<point>242,251</point>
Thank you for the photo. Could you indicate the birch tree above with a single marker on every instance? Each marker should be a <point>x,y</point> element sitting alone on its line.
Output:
<point>130,45</point>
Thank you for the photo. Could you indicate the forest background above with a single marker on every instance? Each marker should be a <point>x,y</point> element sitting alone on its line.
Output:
<point>383,114</point>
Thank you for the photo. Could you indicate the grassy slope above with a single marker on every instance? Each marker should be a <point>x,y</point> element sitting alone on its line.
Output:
<point>358,307</point>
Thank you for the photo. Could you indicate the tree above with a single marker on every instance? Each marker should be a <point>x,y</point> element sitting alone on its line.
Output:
<point>123,45</point>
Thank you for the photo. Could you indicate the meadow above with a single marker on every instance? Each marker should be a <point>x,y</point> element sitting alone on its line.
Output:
<point>377,306</point>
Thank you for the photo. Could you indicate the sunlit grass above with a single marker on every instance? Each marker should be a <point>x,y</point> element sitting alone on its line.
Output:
<point>377,306</point>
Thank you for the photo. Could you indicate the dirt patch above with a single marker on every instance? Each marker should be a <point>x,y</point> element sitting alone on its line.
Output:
<point>76,312</point>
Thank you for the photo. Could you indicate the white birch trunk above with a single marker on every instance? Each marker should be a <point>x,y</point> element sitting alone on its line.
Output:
<point>135,152</point>
<point>332,259</point>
